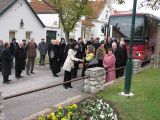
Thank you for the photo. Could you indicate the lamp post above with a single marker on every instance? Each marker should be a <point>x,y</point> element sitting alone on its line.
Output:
<point>128,74</point>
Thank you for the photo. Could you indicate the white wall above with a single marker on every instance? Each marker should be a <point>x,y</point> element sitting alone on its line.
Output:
<point>99,22</point>
<point>77,31</point>
<point>49,20</point>
<point>10,20</point>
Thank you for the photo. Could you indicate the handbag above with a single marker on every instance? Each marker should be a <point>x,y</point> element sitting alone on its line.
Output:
<point>93,62</point>
<point>52,54</point>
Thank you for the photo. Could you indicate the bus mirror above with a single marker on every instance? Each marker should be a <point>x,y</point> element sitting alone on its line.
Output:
<point>111,30</point>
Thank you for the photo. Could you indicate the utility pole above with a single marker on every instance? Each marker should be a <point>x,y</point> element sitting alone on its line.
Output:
<point>128,74</point>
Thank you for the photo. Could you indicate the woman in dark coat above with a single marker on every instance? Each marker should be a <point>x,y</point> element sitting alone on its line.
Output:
<point>53,52</point>
<point>61,51</point>
<point>20,57</point>
<point>6,63</point>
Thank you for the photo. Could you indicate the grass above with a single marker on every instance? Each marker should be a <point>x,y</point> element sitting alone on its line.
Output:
<point>46,60</point>
<point>145,105</point>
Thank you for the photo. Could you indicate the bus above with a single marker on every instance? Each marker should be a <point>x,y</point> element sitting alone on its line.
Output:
<point>146,30</point>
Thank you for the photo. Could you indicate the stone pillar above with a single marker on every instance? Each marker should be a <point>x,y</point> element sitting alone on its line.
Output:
<point>136,66</point>
<point>1,107</point>
<point>96,81</point>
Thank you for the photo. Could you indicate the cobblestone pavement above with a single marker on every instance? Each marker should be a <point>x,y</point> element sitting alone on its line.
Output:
<point>23,106</point>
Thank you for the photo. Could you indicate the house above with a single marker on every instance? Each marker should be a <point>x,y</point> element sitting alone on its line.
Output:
<point>92,26</point>
<point>85,28</point>
<point>17,19</point>
<point>49,17</point>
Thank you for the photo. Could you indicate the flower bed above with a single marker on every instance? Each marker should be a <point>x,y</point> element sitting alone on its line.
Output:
<point>89,109</point>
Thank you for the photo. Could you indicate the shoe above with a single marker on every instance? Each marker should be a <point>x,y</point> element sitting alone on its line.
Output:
<point>32,72</point>
<point>55,75</point>
<point>65,87</point>
<point>27,74</point>
<point>70,86</point>
<point>18,77</point>
<point>7,81</point>
<point>21,76</point>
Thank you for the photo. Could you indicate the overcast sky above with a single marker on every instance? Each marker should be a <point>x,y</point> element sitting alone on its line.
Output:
<point>129,5</point>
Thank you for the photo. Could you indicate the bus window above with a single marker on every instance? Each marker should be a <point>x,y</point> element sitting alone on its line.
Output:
<point>122,26</point>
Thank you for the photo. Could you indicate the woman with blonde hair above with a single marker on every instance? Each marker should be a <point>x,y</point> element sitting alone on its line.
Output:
<point>53,52</point>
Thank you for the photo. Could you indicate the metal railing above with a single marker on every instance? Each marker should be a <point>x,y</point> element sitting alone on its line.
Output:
<point>43,88</point>
<point>51,86</point>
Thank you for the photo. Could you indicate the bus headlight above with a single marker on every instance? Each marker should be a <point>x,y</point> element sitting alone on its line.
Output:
<point>138,54</point>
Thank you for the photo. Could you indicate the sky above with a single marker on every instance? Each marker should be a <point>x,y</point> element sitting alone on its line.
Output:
<point>129,5</point>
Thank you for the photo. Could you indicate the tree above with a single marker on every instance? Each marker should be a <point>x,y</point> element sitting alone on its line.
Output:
<point>70,12</point>
<point>153,4</point>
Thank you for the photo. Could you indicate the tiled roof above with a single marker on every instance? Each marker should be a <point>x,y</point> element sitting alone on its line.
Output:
<point>97,7</point>
<point>87,22</point>
<point>4,4</point>
<point>41,7</point>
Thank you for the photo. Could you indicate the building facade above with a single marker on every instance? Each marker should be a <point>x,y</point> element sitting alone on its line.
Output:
<point>18,20</point>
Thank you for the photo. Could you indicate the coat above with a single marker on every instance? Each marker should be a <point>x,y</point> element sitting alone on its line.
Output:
<point>54,62</point>
<point>42,47</point>
<point>20,57</point>
<point>31,50</point>
<point>6,62</point>
<point>62,52</point>
<point>69,62</point>
<point>109,65</point>
<point>100,53</point>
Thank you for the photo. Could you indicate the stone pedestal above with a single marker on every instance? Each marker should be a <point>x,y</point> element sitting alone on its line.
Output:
<point>2,117</point>
<point>136,66</point>
<point>96,81</point>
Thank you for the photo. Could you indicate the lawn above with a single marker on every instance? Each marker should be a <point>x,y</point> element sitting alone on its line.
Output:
<point>145,105</point>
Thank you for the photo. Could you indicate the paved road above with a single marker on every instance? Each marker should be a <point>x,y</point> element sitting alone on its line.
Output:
<point>23,106</point>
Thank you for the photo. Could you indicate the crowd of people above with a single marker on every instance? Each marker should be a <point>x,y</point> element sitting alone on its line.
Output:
<point>71,56</point>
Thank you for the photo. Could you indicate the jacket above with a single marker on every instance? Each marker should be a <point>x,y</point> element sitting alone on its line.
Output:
<point>69,62</point>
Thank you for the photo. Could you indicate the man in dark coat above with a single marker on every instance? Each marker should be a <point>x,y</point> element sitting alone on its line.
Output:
<point>96,43</point>
<point>53,52</point>
<point>20,57</point>
<point>42,47</point>
<point>1,50</point>
<point>122,52</point>
<point>13,45</point>
<point>6,63</point>
<point>80,54</point>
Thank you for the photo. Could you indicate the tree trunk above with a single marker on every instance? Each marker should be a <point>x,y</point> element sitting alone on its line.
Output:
<point>67,36</point>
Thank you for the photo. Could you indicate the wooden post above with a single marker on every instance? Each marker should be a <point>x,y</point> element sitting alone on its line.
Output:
<point>157,52</point>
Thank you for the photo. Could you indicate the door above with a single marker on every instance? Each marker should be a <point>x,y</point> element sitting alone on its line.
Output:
<point>11,35</point>
<point>50,35</point>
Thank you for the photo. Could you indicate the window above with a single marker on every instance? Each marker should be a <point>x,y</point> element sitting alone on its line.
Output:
<point>28,35</point>
<point>11,35</point>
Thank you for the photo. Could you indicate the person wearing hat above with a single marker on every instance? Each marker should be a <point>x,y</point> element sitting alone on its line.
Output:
<point>13,45</point>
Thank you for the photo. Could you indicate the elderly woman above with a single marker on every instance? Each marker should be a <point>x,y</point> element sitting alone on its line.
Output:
<point>54,56</point>
<point>69,63</point>
<point>20,57</point>
<point>109,64</point>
